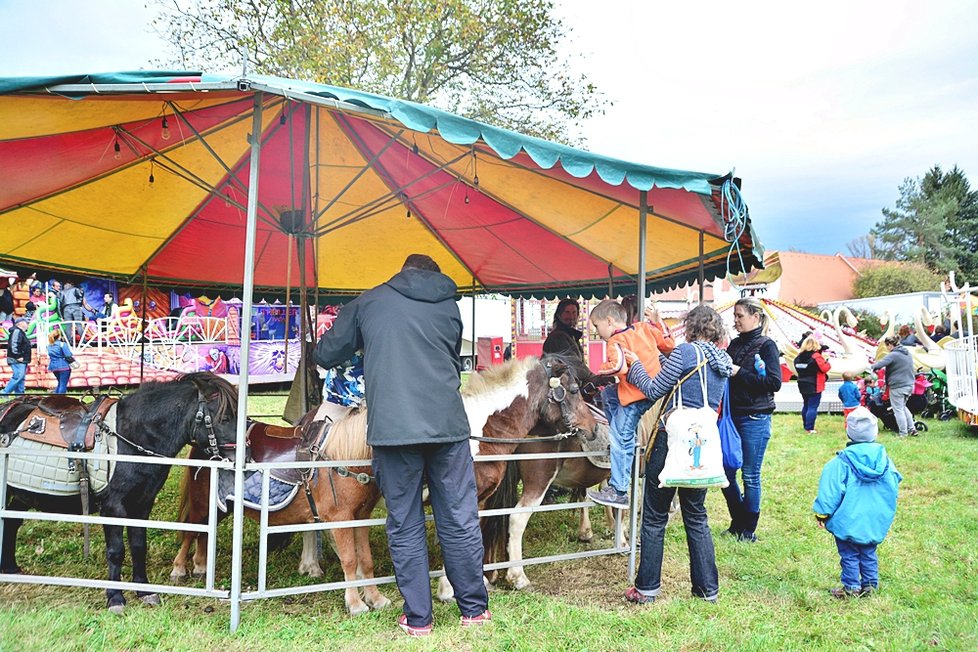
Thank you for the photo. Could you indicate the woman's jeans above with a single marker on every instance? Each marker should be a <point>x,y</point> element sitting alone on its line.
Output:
<point>62,376</point>
<point>16,383</point>
<point>703,573</point>
<point>809,409</point>
<point>860,566</point>
<point>755,432</point>
<point>898,401</point>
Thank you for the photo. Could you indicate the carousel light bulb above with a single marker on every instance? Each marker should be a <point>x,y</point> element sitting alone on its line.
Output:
<point>466,195</point>
<point>475,181</point>
<point>118,151</point>
<point>409,213</point>
<point>165,134</point>
<point>415,149</point>
<point>152,179</point>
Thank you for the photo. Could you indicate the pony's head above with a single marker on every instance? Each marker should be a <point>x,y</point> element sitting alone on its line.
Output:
<point>555,392</point>
<point>215,421</point>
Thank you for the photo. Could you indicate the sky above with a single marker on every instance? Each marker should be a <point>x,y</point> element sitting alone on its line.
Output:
<point>822,109</point>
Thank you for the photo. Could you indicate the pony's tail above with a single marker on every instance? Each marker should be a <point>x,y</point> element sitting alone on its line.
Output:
<point>495,529</point>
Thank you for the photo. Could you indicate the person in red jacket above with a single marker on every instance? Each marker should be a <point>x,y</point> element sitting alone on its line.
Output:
<point>812,369</point>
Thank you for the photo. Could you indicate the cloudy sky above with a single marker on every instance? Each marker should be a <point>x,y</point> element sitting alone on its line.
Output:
<point>822,109</point>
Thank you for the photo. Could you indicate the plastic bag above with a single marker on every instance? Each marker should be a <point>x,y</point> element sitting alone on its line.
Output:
<point>730,444</point>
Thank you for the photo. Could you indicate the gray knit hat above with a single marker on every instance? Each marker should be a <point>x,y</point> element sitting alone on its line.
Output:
<point>861,426</point>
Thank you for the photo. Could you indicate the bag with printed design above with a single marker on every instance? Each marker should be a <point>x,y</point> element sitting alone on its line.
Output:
<point>695,457</point>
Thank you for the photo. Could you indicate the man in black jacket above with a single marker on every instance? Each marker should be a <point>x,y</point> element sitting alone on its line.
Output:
<point>18,357</point>
<point>411,333</point>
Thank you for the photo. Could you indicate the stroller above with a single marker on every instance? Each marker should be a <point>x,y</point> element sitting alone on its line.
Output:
<point>878,401</point>
<point>937,402</point>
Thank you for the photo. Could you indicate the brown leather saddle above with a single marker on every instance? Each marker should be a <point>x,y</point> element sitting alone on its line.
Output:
<point>302,443</point>
<point>66,422</point>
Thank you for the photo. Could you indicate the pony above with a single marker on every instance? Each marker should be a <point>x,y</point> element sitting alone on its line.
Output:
<point>503,405</point>
<point>537,475</point>
<point>156,420</point>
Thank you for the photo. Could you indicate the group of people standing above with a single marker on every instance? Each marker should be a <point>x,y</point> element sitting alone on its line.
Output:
<point>71,305</point>
<point>744,365</point>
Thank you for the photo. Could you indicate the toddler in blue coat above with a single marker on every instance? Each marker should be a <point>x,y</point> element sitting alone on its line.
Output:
<point>856,502</point>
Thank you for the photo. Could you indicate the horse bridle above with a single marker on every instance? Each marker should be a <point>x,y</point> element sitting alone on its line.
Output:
<point>557,394</point>
<point>203,417</point>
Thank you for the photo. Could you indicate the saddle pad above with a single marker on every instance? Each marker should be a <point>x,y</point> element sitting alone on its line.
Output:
<point>50,475</point>
<point>280,494</point>
<point>597,448</point>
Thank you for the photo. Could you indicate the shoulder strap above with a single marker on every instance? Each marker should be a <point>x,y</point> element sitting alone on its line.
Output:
<point>668,400</point>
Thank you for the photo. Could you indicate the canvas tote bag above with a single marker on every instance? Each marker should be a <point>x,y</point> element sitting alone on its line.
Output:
<point>695,458</point>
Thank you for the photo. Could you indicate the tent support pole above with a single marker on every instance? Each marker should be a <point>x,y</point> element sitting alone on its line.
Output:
<point>473,351</point>
<point>142,334</point>
<point>702,270</point>
<point>301,240</point>
<point>247,290</point>
<point>643,217</point>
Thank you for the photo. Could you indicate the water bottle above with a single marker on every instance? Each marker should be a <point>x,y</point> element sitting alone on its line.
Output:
<point>759,365</point>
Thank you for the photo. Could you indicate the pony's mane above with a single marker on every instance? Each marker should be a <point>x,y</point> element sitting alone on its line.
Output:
<point>347,438</point>
<point>503,375</point>
<point>213,386</point>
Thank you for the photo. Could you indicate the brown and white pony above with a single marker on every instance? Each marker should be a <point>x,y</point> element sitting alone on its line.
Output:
<point>503,405</point>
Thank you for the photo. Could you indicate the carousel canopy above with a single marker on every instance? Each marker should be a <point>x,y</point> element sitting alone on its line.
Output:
<point>147,173</point>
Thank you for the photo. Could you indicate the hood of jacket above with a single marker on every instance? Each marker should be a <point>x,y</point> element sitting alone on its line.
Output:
<point>716,357</point>
<point>868,461</point>
<point>423,285</point>
<point>902,350</point>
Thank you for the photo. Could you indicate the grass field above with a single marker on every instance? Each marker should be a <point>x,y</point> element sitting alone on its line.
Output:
<point>773,593</point>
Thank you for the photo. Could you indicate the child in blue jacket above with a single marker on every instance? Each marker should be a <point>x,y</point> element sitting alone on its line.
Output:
<point>856,502</point>
<point>849,394</point>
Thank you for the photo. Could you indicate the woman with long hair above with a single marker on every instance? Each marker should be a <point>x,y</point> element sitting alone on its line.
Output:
<point>58,360</point>
<point>757,376</point>
<point>812,369</point>
<point>698,358</point>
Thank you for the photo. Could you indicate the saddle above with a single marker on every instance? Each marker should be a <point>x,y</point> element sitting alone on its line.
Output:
<point>66,422</point>
<point>301,443</point>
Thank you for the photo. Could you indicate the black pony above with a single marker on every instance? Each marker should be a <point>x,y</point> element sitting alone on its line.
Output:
<point>158,419</point>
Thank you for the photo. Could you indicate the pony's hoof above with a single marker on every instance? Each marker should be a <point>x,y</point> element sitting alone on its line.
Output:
<point>117,609</point>
<point>446,591</point>
<point>177,576</point>
<point>358,609</point>
<point>311,570</point>
<point>200,573</point>
<point>151,600</point>
<point>519,582</point>
<point>586,537</point>
<point>382,603</point>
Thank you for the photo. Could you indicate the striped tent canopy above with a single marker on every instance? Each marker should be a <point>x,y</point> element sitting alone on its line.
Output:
<point>147,174</point>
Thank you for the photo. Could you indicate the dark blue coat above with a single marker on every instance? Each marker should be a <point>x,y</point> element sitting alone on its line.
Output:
<point>410,331</point>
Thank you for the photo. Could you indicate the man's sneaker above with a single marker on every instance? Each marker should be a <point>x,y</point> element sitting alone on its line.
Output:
<point>867,591</point>
<point>635,596</point>
<point>410,630</point>
<point>609,497</point>
<point>471,621</point>
<point>913,433</point>
<point>843,593</point>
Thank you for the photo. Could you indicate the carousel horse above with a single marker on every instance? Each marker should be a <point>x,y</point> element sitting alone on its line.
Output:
<point>157,420</point>
<point>503,405</point>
